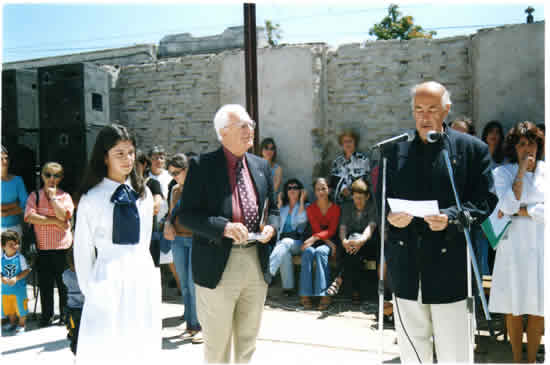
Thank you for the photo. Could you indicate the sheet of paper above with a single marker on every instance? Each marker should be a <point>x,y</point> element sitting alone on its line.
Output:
<point>417,208</point>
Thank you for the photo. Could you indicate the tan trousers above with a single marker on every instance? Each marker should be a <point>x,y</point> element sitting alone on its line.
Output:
<point>233,310</point>
<point>447,324</point>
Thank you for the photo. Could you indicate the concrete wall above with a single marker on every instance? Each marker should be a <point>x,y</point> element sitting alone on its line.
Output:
<point>508,74</point>
<point>290,110</point>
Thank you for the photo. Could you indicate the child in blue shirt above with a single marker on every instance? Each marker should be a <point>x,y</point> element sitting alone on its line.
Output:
<point>75,301</point>
<point>14,282</point>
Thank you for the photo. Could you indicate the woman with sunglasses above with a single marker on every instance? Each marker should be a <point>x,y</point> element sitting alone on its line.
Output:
<point>293,221</point>
<point>51,218</point>
<point>269,153</point>
<point>14,197</point>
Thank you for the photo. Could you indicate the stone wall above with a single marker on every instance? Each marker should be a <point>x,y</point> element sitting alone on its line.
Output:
<point>171,102</point>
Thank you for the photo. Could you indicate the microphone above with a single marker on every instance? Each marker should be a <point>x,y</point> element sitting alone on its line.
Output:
<point>407,136</point>
<point>433,136</point>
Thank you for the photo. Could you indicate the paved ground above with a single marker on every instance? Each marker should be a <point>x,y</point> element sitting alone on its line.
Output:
<point>288,335</point>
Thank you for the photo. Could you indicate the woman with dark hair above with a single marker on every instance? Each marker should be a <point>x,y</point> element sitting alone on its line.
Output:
<point>493,135</point>
<point>121,314</point>
<point>518,276</point>
<point>269,153</point>
<point>464,124</point>
<point>357,227</point>
<point>14,197</point>
<point>293,220</point>
<point>323,216</point>
<point>348,167</point>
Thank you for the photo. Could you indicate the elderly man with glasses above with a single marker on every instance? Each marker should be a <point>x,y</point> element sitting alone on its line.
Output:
<point>224,198</point>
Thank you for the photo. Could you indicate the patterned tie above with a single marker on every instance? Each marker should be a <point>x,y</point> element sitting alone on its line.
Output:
<point>248,208</point>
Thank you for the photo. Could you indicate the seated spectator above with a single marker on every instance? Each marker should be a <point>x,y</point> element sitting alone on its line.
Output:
<point>269,153</point>
<point>464,124</point>
<point>14,197</point>
<point>348,167</point>
<point>357,227</point>
<point>293,220</point>
<point>75,301</point>
<point>51,217</point>
<point>323,216</point>
<point>518,276</point>
<point>14,282</point>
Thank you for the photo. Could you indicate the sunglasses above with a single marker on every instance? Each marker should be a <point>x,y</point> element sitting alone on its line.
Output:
<point>269,148</point>
<point>47,175</point>
<point>176,172</point>
<point>293,187</point>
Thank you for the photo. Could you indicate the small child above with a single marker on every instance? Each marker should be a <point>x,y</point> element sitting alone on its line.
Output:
<point>75,301</point>
<point>14,282</point>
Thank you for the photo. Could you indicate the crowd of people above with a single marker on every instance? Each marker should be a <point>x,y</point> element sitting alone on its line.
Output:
<point>217,218</point>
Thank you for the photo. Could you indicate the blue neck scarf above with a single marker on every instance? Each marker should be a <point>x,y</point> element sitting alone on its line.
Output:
<point>125,216</point>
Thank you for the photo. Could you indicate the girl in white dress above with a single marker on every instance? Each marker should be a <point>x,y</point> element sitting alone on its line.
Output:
<point>121,321</point>
<point>518,275</point>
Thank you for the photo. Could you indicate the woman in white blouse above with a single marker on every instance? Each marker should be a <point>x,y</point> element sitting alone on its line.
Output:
<point>121,315</point>
<point>518,275</point>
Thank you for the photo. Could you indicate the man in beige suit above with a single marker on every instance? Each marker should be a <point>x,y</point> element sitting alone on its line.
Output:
<point>222,202</point>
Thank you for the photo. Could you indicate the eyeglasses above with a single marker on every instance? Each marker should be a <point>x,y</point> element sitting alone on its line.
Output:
<point>293,187</point>
<point>176,172</point>
<point>48,175</point>
<point>244,124</point>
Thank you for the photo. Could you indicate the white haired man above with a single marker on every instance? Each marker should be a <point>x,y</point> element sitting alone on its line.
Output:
<point>427,256</point>
<point>222,201</point>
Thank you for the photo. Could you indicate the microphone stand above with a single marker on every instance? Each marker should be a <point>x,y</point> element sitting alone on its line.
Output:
<point>465,221</point>
<point>382,262</point>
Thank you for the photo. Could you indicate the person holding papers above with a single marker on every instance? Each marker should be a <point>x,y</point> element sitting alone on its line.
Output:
<point>518,276</point>
<point>426,255</point>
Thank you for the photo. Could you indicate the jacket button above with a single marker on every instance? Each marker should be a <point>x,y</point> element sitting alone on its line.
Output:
<point>401,243</point>
<point>443,250</point>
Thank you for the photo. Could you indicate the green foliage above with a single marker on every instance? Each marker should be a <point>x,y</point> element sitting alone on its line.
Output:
<point>393,26</point>
<point>273,32</point>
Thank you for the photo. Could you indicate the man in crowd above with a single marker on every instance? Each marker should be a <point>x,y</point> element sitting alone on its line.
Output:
<point>427,256</point>
<point>222,202</point>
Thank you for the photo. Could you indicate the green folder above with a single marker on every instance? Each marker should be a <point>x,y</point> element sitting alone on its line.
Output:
<point>495,227</point>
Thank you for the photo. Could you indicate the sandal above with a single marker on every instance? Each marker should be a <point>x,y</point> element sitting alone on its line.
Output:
<point>334,288</point>
<point>355,298</point>
<point>324,303</point>
<point>306,303</point>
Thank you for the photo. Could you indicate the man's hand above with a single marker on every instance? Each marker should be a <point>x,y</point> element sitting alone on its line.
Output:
<point>400,220</point>
<point>237,232</point>
<point>169,231</point>
<point>267,233</point>
<point>347,246</point>
<point>437,222</point>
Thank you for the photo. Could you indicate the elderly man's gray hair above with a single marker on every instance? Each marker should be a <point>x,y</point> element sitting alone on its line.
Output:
<point>222,117</point>
<point>445,98</point>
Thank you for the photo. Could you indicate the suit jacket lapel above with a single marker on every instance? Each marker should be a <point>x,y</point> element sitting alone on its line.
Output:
<point>222,178</point>
<point>258,179</point>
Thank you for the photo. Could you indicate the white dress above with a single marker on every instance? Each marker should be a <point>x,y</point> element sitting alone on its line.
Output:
<point>518,274</point>
<point>121,321</point>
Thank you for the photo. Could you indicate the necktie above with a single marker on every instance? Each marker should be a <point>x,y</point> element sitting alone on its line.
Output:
<point>125,216</point>
<point>248,208</point>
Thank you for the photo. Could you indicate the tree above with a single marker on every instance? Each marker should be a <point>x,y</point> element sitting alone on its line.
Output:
<point>274,33</point>
<point>393,26</point>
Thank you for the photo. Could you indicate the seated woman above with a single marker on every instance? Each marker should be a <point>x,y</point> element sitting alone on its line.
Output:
<point>357,226</point>
<point>293,220</point>
<point>323,216</point>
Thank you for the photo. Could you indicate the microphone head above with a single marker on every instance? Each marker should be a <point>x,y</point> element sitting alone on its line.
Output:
<point>433,136</point>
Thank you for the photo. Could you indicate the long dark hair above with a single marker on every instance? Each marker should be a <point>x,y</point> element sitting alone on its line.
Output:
<point>96,170</point>
<point>499,152</point>
<point>523,129</point>
<point>266,142</point>
<point>285,189</point>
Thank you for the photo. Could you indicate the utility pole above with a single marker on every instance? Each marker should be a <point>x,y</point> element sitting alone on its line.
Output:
<point>251,69</point>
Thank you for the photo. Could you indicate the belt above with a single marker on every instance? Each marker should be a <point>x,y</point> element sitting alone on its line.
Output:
<point>247,245</point>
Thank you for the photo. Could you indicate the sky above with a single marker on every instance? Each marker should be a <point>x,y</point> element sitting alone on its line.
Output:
<point>43,29</point>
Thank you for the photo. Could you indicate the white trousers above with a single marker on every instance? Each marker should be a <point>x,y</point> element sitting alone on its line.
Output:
<point>447,323</point>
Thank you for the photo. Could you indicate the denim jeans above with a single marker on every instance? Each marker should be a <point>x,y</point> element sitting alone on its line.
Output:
<point>317,285</point>
<point>281,258</point>
<point>181,250</point>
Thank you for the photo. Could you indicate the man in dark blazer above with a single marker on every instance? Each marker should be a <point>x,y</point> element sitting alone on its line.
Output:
<point>223,201</point>
<point>426,256</point>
